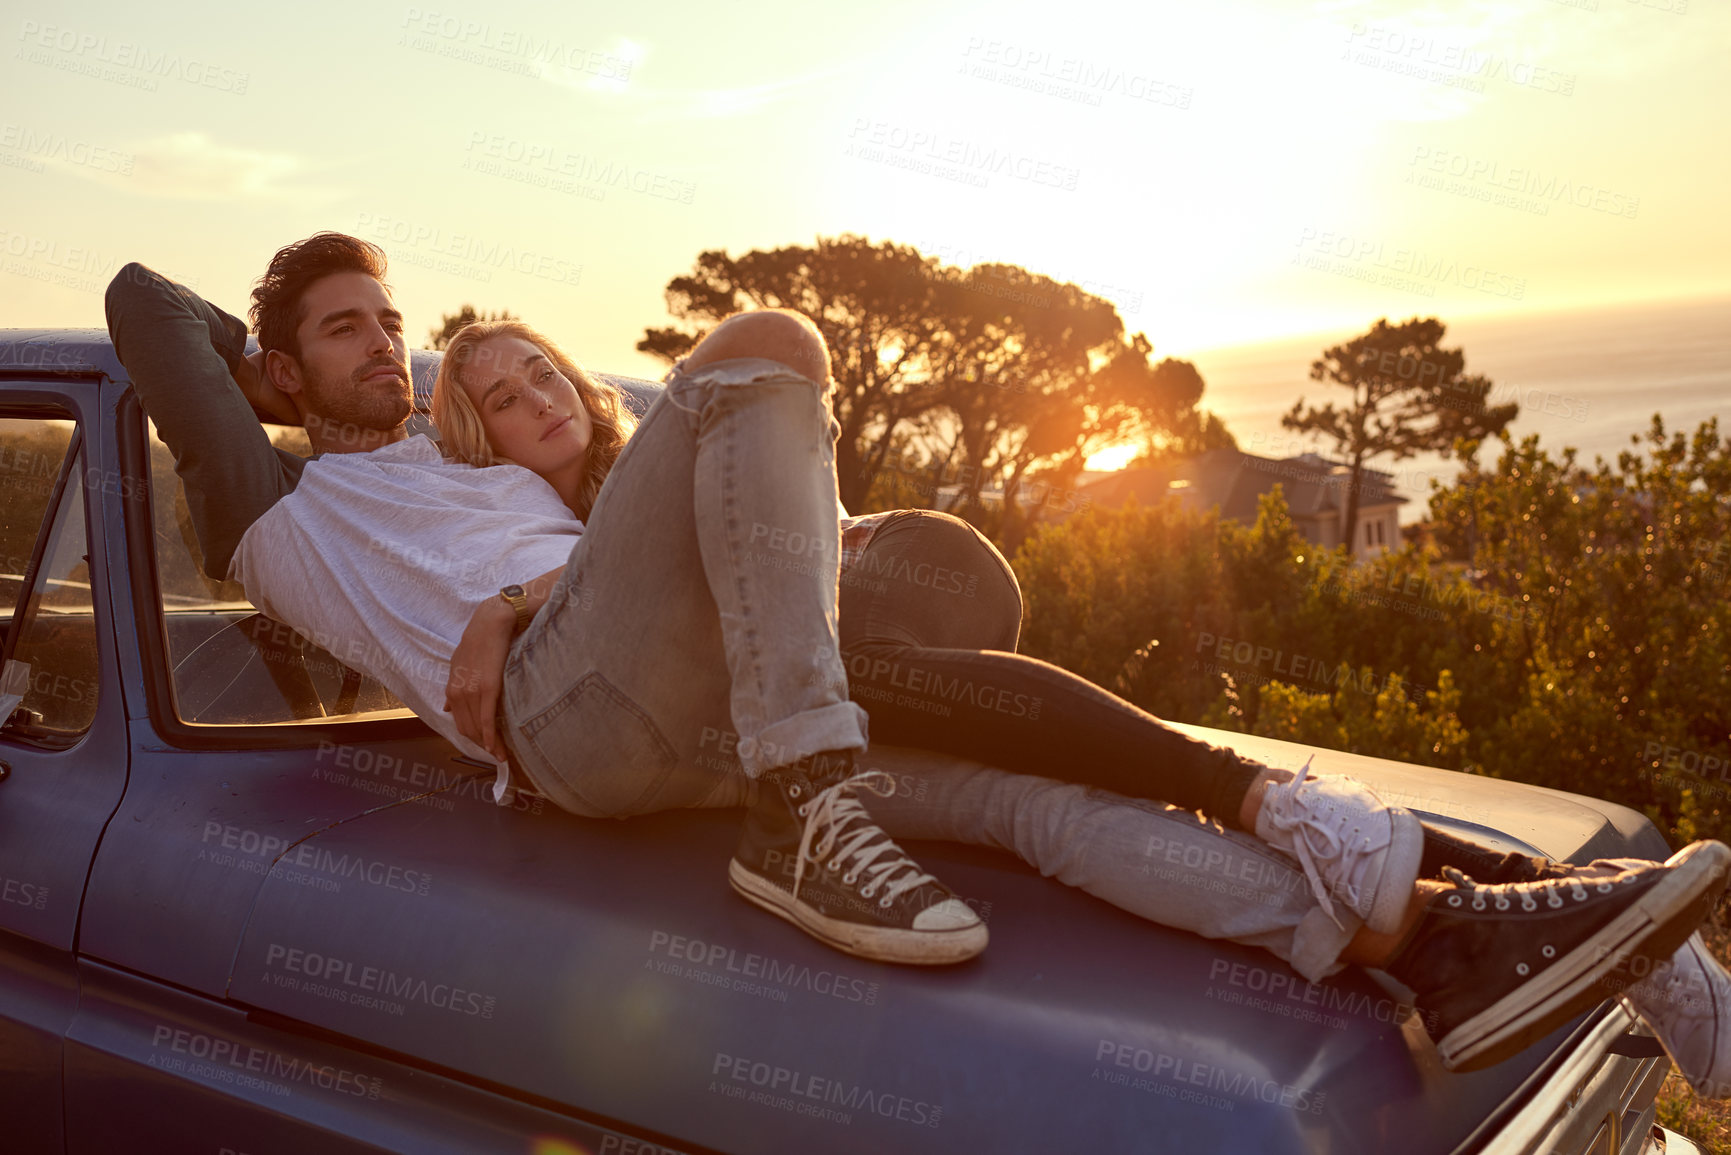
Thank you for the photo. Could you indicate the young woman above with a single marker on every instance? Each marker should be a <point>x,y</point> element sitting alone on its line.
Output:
<point>926,638</point>
<point>929,616</point>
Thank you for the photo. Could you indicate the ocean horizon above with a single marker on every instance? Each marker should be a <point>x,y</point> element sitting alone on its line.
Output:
<point>1587,378</point>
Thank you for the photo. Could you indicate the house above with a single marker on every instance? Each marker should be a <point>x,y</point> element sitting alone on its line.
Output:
<point>1316,492</point>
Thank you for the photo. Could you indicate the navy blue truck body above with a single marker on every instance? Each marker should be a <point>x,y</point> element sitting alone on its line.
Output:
<point>323,936</point>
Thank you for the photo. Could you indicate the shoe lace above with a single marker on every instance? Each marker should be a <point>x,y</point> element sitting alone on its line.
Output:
<point>1529,892</point>
<point>1305,826</point>
<point>849,835</point>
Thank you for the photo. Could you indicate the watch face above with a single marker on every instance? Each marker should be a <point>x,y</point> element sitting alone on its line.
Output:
<point>513,591</point>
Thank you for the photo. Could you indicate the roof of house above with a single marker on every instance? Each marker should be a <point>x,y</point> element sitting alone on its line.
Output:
<point>1234,481</point>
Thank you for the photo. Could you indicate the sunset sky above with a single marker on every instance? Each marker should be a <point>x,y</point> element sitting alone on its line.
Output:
<point>1225,171</point>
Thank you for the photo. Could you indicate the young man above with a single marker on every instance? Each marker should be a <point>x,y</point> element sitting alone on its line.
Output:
<point>304,538</point>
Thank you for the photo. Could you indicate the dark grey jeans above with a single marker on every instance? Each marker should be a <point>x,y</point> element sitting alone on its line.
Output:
<point>930,615</point>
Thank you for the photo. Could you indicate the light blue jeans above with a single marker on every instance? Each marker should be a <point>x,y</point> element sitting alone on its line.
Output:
<point>692,643</point>
<point>1168,865</point>
<point>690,636</point>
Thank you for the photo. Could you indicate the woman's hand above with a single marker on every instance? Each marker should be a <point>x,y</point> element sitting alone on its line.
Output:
<point>478,674</point>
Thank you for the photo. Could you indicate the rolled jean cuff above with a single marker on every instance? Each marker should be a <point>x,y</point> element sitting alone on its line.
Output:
<point>1317,942</point>
<point>838,726</point>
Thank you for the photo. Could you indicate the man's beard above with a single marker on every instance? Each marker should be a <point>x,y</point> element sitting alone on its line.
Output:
<point>352,404</point>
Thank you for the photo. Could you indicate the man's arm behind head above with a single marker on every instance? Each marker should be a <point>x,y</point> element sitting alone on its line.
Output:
<point>181,353</point>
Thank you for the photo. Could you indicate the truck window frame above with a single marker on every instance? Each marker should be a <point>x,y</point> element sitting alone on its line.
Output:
<point>132,443</point>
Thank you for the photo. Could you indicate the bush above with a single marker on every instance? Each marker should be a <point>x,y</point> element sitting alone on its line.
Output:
<point>1553,625</point>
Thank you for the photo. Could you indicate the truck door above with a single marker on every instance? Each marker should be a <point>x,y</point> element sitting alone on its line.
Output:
<point>63,749</point>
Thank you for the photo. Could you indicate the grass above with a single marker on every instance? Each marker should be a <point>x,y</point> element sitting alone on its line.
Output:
<point>1706,1121</point>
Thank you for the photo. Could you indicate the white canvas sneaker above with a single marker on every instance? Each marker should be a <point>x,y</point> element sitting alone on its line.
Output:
<point>1687,1000</point>
<point>1353,847</point>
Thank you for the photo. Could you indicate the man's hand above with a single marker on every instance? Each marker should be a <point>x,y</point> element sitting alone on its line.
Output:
<point>268,402</point>
<point>478,674</point>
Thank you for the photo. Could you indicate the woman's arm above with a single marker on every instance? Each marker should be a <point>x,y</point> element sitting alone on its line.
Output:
<point>478,664</point>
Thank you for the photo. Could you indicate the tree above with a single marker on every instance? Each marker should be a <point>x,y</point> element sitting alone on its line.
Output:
<point>1191,431</point>
<point>450,324</point>
<point>1033,382</point>
<point>873,305</point>
<point>1409,395</point>
<point>992,376</point>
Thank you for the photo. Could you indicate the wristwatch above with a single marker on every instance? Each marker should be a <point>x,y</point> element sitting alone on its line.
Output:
<point>520,602</point>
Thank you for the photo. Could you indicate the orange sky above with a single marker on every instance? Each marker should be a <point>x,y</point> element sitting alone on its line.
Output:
<point>1223,172</point>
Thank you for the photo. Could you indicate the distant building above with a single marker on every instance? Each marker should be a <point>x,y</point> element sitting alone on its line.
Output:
<point>1315,489</point>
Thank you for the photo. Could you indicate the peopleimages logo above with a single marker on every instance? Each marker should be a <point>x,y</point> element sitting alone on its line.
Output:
<point>284,855</point>
<point>545,163</point>
<point>1191,1073</point>
<point>802,1093</point>
<point>122,61</point>
<point>1523,180</point>
<point>22,893</point>
<point>526,49</point>
<point>1416,53</point>
<point>1289,995</point>
<point>378,981</point>
<point>40,146</point>
<point>1368,258</point>
<point>932,687</point>
<point>464,254</point>
<point>879,140</point>
<point>1066,77</point>
<point>1246,660</point>
<point>223,1054</point>
<point>749,966</point>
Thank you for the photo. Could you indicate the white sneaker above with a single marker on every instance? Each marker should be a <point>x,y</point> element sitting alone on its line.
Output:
<point>1351,845</point>
<point>1687,1002</point>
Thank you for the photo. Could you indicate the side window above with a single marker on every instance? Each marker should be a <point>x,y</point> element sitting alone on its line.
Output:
<point>48,684</point>
<point>31,453</point>
<point>230,665</point>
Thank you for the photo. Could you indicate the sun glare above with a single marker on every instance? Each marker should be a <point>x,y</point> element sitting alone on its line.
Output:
<point>1117,457</point>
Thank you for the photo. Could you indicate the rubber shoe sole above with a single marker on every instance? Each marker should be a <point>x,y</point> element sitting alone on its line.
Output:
<point>1655,926</point>
<point>880,943</point>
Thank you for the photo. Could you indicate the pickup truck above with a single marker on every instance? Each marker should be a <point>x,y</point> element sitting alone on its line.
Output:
<point>249,905</point>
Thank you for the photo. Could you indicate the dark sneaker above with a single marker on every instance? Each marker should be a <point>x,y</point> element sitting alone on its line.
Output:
<point>1494,968</point>
<point>1685,999</point>
<point>811,854</point>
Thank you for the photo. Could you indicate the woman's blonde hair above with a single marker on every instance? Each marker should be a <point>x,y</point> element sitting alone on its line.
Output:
<point>465,438</point>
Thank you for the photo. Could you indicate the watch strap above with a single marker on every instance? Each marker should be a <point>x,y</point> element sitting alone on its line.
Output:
<point>519,601</point>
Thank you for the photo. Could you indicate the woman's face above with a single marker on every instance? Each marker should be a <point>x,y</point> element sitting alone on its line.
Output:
<point>532,414</point>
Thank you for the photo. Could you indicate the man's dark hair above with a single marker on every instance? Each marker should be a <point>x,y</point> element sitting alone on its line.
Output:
<point>277,311</point>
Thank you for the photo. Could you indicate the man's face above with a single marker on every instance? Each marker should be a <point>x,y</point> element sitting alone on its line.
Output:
<point>354,361</point>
